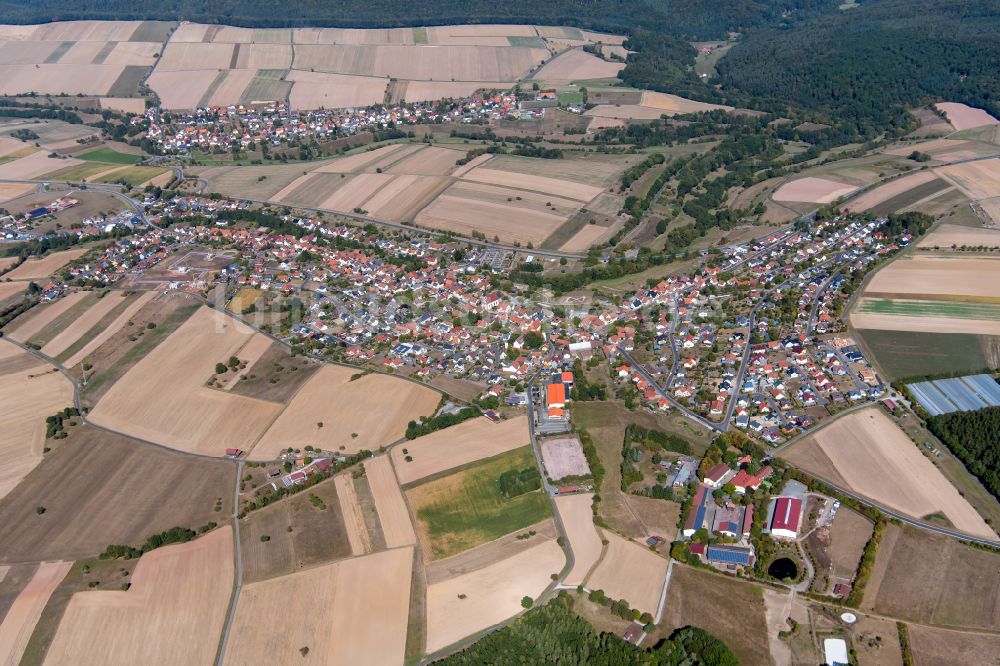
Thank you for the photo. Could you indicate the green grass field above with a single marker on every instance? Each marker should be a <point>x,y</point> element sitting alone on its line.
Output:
<point>79,172</point>
<point>912,354</point>
<point>908,308</point>
<point>109,156</point>
<point>420,35</point>
<point>466,509</point>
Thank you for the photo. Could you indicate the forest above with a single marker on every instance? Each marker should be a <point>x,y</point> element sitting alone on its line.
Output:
<point>974,438</point>
<point>554,634</point>
<point>864,66</point>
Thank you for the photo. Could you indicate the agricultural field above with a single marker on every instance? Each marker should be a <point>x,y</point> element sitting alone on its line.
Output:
<point>925,578</point>
<point>457,445</point>
<point>22,616</point>
<point>173,612</point>
<point>337,68</point>
<point>722,606</point>
<point>576,65</point>
<point>460,606</point>
<point>927,316</point>
<point>902,354</point>
<point>648,105</point>
<point>164,398</point>
<point>92,339</point>
<point>931,645</point>
<point>99,488</point>
<point>353,625</point>
<point>109,305</point>
<point>578,519</point>
<point>953,236</point>
<point>393,516</point>
<point>34,269</point>
<point>631,572</point>
<point>899,193</point>
<point>317,535</point>
<point>352,515</point>
<point>30,390</point>
<point>813,190</point>
<point>337,410</point>
<point>79,57</point>
<point>866,452</point>
<point>468,508</point>
<point>964,117</point>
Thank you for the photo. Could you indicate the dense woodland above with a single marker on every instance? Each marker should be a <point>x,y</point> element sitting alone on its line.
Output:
<point>863,66</point>
<point>974,438</point>
<point>554,634</point>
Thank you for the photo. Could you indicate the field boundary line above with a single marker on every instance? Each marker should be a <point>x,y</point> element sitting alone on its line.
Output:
<point>237,574</point>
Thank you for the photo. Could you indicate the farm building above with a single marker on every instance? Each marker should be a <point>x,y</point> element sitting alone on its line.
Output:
<point>696,517</point>
<point>744,480</point>
<point>738,555</point>
<point>718,476</point>
<point>786,518</point>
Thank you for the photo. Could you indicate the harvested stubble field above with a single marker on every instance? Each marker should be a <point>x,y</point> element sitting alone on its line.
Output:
<point>631,572</point>
<point>578,518</point>
<point>101,488</point>
<point>173,612</point>
<point>979,180</point>
<point>490,553</point>
<point>946,150</point>
<point>337,414</point>
<point>848,535</point>
<point>458,445</point>
<point>362,617</point>
<point>952,235</point>
<point>393,515</point>
<point>963,117</point>
<point>255,349</point>
<point>33,269</point>
<point>313,90</point>
<point>937,647</point>
<point>317,535</point>
<point>940,275</point>
<point>180,89</point>
<point>30,391</point>
<point>722,606</point>
<point>812,190</point>
<point>255,182</point>
<point>163,398</point>
<point>652,105</point>
<point>892,189</point>
<point>921,577</point>
<point>20,620</point>
<point>463,605</point>
<point>868,453</point>
<point>111,303</point>
<point>465,509</point>
<point>26,327</point>
<point>575,65</point>
<point>9,290</point>
<point>515,180</point>
<point>96,337</point>
<point>353,515</point>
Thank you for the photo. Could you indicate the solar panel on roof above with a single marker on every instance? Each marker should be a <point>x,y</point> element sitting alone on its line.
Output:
<point>730,556</point>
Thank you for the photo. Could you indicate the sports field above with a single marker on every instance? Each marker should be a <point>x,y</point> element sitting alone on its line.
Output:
<point>466,509</point>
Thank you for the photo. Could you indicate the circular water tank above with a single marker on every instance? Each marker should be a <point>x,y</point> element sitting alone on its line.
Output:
<point>849,618</point>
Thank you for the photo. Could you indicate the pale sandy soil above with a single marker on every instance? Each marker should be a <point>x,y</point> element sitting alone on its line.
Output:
<point>50,264</point>
<point>883,193</point>
<point>232,87</point>
<point>264,56</point>
<point>249,353</point>
<point>590,234</point>
<point>173,613</point>
<point>963,117</point>
<point>491,552</point>
<point>8,289</point>
<point>7,262</point>
<point>631,572</point>
<point>30,392</point>
<point>375,407</point>
<point>313,90</point>
<point>510,223</point>
<point>283,193</point>
<point>354,519</point>
<point>182,56</point>
<point>992,208</point>
<point>947,235</point>
<point>470,165</point>
<point>86,321</point>
<point>578,519</point>
<point>41,316</point>
<point>431,161</point>
<point>27,608</point>
<point>813,190</point>
<point>575,65</point>
<point>419,91</point>
<point>389,503</point>
<point>403,196</point>
<point>522,181</point>
<point>349,612</point>
<point>34,165</point>
<point>652,105</point>
<point>355,191</point>
<point>163,398</point>
<point>458,445</point>
<point>954,275</point>
<point>877,459</point>
<point>979,180</point>
<point>492,594</point>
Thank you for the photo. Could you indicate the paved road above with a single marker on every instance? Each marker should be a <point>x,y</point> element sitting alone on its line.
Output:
<point>669,398</point>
